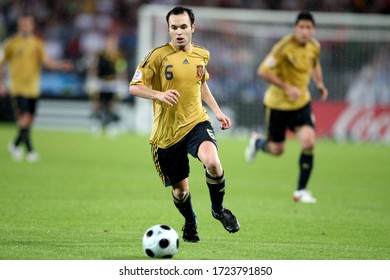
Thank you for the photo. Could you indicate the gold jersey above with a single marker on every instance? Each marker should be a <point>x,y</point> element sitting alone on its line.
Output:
<point>165,68</point>
<point>24,57</point>
<point>294,64</point>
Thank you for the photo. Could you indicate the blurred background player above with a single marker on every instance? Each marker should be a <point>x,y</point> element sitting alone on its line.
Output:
<point>288,69</point>
<point>24,53</point>
<point>175,77</point>
<point>106,85</point>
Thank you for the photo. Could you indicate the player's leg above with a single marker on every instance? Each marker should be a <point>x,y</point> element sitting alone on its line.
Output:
<point>215,177</point>
<point>182,200</point>
<point>202,145</point>
<point>172,166</point>
<point>112,108</point>
<point>25,111</point>
<point>14,146</point>
<point>26,123</point>
<point>112,118</point>
<point>273,140</point>
<point>104,108</point>
<point>108,102</point>
<point>257,142</point>
<point>94,100</point>
<point>95,116</point>
<point>306,136</point>
<point>215,180</point>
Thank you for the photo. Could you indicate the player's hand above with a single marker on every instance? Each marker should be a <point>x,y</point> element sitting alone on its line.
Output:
<point>171,97</point>
<point>324,92</point>
<point>293,92</point>
<point>224,120</point>
<point>67,66</point>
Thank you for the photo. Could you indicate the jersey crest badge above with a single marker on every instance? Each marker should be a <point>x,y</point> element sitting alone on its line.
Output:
<point>199,71</point>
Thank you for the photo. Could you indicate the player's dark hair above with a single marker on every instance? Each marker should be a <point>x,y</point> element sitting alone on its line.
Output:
<point>305,15</point>
<point>181,10</point>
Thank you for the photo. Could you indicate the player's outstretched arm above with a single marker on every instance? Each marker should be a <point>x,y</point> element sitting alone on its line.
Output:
<point>62,65</point>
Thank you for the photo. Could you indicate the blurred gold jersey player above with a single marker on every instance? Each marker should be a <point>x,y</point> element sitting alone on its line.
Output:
<point>174,76</point>
<point>288,69</point>
<point>292,63</point>
<point>24,53</point>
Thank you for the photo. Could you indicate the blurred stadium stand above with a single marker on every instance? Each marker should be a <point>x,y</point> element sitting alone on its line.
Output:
<point>75,29</point>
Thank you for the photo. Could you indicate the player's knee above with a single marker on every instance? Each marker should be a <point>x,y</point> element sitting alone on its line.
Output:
<point>180,194</point>
<point>277,150</point>
<point>180,189</point>
<point>308,145</point>
<point>214,168</point>
<point>25,120</point>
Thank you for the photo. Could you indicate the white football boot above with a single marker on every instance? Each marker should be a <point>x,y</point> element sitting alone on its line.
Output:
<point>250,151</point>
<point>16,152</point>
<point>304,196</point>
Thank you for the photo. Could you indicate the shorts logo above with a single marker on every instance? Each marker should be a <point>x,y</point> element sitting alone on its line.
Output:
<point>211,133</point>
<point>199,71</point>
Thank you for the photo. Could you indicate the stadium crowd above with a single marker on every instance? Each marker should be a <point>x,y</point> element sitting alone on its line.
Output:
<point>76,28</point>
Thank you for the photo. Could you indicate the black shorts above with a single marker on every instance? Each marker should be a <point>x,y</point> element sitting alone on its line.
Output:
<point>172,164</point>
<point>25,105</point>
<point>278,121</point>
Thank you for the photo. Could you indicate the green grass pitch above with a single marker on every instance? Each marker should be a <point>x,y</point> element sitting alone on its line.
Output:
<point>93,198</point>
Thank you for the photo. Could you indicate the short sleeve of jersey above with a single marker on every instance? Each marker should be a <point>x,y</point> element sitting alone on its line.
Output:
<point>145,70</point>
<point>275,56</point>
<point>6,52</point>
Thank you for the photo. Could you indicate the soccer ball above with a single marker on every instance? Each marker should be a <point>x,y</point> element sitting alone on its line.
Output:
<point>160,241</point>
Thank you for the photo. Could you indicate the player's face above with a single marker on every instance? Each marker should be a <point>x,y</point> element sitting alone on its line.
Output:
<point>180,30</point>
<point>26,25</point>
<point>304,31</point>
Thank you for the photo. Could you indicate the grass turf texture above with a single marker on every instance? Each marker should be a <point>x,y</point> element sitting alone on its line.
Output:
<point>94,198</point>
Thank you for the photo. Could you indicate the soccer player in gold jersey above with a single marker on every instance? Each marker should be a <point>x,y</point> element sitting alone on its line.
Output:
<point>24,53</point>
<point>288,69</point>
<point>174,76</point>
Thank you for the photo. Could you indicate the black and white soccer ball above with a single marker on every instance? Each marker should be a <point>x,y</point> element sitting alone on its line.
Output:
<point>160,241</point>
